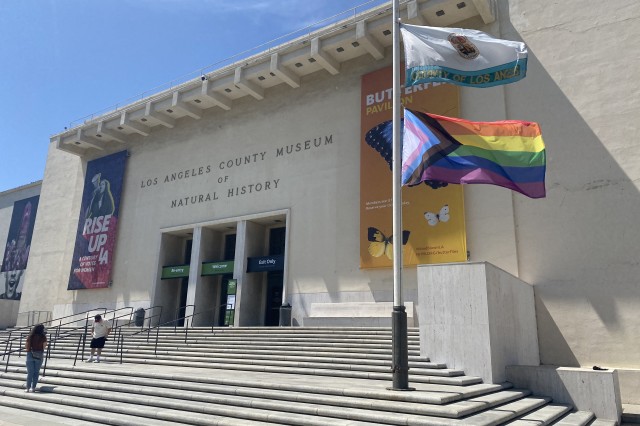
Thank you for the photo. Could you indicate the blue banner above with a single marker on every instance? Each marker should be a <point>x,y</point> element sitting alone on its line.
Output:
<point>97,226</point>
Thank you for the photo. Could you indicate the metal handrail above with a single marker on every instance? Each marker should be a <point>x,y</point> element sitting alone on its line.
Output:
<point>175,321</point>
<point>157,327</point>
<point>117,333</point>
<point>117,328</point>
<point>51,321</point>
<point>226,305</point>
<point>19,350</point>
<point>8,352</point>
<point>31,317</point>
<point>53,338</point>
<point>46,356</point>
<point>73,315</point>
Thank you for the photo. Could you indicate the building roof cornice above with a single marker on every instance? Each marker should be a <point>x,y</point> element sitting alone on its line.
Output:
<point>366,33</point>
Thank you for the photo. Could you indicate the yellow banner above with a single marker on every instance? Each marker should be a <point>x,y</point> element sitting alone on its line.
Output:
<point>432,216</point>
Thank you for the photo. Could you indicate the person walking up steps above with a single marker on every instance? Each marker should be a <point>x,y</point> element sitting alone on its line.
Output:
<point>100,331</point>
<point>35,346</point>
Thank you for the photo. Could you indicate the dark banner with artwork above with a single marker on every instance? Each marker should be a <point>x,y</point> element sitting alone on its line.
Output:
<point>96,235</point>
<point>16,253</point>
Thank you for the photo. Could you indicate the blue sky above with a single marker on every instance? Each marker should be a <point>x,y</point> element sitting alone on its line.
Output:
<point>62,60</point>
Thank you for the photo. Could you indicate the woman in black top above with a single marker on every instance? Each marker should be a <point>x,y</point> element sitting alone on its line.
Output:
<point>35,346</point>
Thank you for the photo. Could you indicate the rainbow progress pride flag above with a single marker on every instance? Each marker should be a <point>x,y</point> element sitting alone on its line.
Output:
<point>509,153</point>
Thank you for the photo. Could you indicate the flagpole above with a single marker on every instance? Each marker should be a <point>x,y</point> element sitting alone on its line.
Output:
<point>400,353</point>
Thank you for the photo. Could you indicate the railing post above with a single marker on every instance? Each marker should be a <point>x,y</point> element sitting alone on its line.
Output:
<point>155,350</point>
<point>6,346</point>
<point>46,356</point>
<point>57,335</point>
<point>78,349</point>
<point>6,366</point>
<point>84,339</point>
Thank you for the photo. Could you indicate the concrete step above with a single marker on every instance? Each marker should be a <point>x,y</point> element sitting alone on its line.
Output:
<point>319,352</point>
<point>413,403</point>
<point>144,397</point>
<point>544,416</point>
<point>631,413</point>
<point>327,355</point>
<point>291,376</point>
<point>578,418</point>
<point>353,371</point>
<point>335,407</point>
<point>600,422</point>
<point>340,332</point>
<point>96,409</point>
<point>254,343</point>
<point>61,413</point>
<point>418,367</point>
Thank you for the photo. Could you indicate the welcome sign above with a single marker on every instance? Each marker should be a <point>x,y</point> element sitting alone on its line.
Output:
<point>96,235</point>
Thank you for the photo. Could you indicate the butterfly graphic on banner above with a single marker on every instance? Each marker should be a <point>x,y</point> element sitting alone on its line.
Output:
<point>380,138</point>
<point>434,218</point>
<point>379,244</point>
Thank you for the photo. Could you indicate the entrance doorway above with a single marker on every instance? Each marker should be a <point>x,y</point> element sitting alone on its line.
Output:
<point>184,285</point>
<point>274,299</point>
<point>227,300</point>
<point>277,241</point>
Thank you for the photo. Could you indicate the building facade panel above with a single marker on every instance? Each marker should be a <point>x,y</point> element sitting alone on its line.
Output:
<point>292,160</point>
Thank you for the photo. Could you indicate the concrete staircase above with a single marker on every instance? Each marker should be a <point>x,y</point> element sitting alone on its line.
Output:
<point>263,376</point>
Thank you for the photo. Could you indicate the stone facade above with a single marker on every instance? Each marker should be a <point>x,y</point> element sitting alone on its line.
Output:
<point>289,156</point>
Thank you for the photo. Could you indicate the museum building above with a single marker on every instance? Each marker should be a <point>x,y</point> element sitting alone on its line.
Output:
<point>260,191</point>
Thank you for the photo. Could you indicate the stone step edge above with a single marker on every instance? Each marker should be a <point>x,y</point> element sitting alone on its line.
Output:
<point>174,415</point>
<point>240,364</point>
<point>284,386</point>
<point>251,343</point>
<point>326,372</point>
<point>264,342</point>
<point>66,412</point>
<point>260,337</point>
<point>258,329</point>
<point>349,397</point>
<point>576,418</point>
<point>204,401</point>
<point>381,350</point>
<point>433,368</point>
<point>229,336</point>
<point>294,351</point>
<point>424,367</point>
<point>460,380</point>
<point>508,412</point>
<point>544,416</point>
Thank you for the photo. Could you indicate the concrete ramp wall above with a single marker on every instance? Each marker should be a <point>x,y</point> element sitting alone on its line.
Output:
<point>477,318</point>
<point>8,313</point>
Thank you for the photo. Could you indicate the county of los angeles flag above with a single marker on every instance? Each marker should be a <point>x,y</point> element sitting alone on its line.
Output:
<point>509,153</point>
<point>461,56</point>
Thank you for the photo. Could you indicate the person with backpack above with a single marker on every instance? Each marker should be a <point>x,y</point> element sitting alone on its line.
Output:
<point>35,345</point>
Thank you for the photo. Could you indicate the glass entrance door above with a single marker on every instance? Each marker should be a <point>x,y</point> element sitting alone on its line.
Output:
<point>274,299</point>
<point>227,301</point>
<point>274,279</point>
